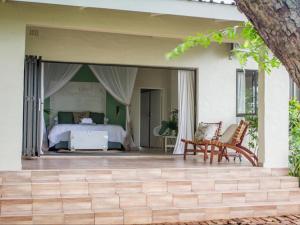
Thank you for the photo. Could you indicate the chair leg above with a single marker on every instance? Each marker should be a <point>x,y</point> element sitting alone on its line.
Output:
<point>225,154</point>
<point>195,149</point>
<point>205,152</point>
<point>212,151</point>
<point>221,154</point>
<point>185,151</point>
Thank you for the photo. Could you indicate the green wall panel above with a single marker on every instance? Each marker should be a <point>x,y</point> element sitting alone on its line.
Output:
<point>115,111</point>
<point>84,75</point>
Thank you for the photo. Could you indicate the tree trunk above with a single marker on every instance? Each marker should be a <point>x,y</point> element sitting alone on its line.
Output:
<point>278,23</point>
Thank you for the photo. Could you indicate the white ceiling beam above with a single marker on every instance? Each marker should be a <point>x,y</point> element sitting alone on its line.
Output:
<point>168,7</point>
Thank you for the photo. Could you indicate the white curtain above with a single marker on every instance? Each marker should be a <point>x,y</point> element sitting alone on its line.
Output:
<point>186,114</point>
<point>241,92</point>
<point>119,82</point>
<point>54,77</point>
<point>57,75</point>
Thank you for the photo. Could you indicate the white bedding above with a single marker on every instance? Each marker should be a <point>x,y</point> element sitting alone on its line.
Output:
<point>60,132</point>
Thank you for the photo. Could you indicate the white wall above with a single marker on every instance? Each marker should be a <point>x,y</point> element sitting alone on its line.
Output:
<point>12,50</point>
<point>78,97</point>
<point>150,78</point>
<point>273,118</point>
<point>174,90</point>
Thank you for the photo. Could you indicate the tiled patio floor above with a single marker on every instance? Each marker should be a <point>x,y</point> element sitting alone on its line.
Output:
<point>112,162</point>
<point>287,220</point>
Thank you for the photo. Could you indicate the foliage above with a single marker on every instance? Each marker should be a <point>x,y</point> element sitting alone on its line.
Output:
<point>47,111</point>
<point>173,122</point>
<point>251,45</point>
<point>294,137</point>
<point>168,127</point>
<point>253,132</point>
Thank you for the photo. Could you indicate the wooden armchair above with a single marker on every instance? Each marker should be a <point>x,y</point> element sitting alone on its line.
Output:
<point>198,147</point>
<point>220,147</point>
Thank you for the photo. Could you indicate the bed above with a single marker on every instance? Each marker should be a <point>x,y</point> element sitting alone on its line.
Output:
<point>59,134</point>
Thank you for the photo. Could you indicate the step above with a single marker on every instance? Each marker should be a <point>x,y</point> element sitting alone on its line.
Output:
<point>137,174</point>
<point>36,205</point>
<point>147,215</point>
<point>86,187</point>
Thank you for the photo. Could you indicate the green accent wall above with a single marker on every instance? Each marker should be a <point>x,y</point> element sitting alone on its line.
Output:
<point>115,111</point>
<point>86,75</point>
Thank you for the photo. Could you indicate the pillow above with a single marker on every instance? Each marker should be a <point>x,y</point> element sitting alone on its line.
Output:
<point>206,131</point>
<point>86,121</point>
<point>97,118</point>
<point>79,115</point>
<point>229,133</point>
<point>65,118</point>
<point>211,131</point>
<point>200,133</point>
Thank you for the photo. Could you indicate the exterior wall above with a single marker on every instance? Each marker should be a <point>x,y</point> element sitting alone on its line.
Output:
<point>112,21</point>
<point>216,99</point>
<point>145,41</point>
<point>143,50</point>
<point>273,118</point>
<point>12,50</point>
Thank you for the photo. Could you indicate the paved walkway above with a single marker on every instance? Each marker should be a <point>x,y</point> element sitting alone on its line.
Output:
<point>124,162</point>
<point>287,220</point>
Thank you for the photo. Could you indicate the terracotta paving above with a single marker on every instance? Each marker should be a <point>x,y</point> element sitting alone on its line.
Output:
<point>123,162</point>
<point>287,220</point>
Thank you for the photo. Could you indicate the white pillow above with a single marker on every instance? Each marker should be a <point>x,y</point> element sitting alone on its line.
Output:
<point>206,131</point>
<point>200,133</point>
<point>228,134</point>
<point>86,120</point>
<point>211,131</point>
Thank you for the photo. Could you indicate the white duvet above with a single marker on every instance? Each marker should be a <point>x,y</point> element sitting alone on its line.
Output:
<point>60,132</point>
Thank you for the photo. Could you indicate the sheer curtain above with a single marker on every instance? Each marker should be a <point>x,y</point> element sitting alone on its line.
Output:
<point>186,114</point>
<point>54,77</point>
<point>57,75</point>
<point>119,82</point>
<point>241,92</point>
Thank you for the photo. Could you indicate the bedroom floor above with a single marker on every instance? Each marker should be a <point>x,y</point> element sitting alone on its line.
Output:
<point>143,151</point>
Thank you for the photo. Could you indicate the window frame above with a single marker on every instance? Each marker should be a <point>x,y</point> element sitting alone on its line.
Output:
<point>254,85</point>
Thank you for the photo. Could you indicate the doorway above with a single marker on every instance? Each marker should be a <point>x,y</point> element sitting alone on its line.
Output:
<point>151,115</point>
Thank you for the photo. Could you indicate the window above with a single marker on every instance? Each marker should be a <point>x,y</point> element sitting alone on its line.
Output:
<point>246,92</point>
<point>294,90</point>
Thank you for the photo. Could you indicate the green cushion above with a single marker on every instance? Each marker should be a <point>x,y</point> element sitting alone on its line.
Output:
<point>164,127</point>
<point>97,118</point>
<point>65,118</point>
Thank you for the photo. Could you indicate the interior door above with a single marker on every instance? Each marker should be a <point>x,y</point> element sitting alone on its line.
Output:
<point>32,107</point>
<point>155,117</point>
<point>145,117</point>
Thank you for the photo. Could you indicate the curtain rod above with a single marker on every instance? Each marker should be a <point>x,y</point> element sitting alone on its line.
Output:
<point>138,66</point>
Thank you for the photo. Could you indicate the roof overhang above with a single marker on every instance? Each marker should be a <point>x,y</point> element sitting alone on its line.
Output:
<point>169,7</point>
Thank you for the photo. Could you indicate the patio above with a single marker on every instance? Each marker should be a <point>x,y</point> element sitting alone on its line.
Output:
<point>125,161</point>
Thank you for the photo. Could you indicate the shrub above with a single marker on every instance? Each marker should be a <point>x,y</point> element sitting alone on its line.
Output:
<point>294,138</point>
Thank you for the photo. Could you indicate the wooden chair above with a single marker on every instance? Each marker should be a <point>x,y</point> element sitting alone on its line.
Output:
<point>221,149</point>
<point>198,147</point>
